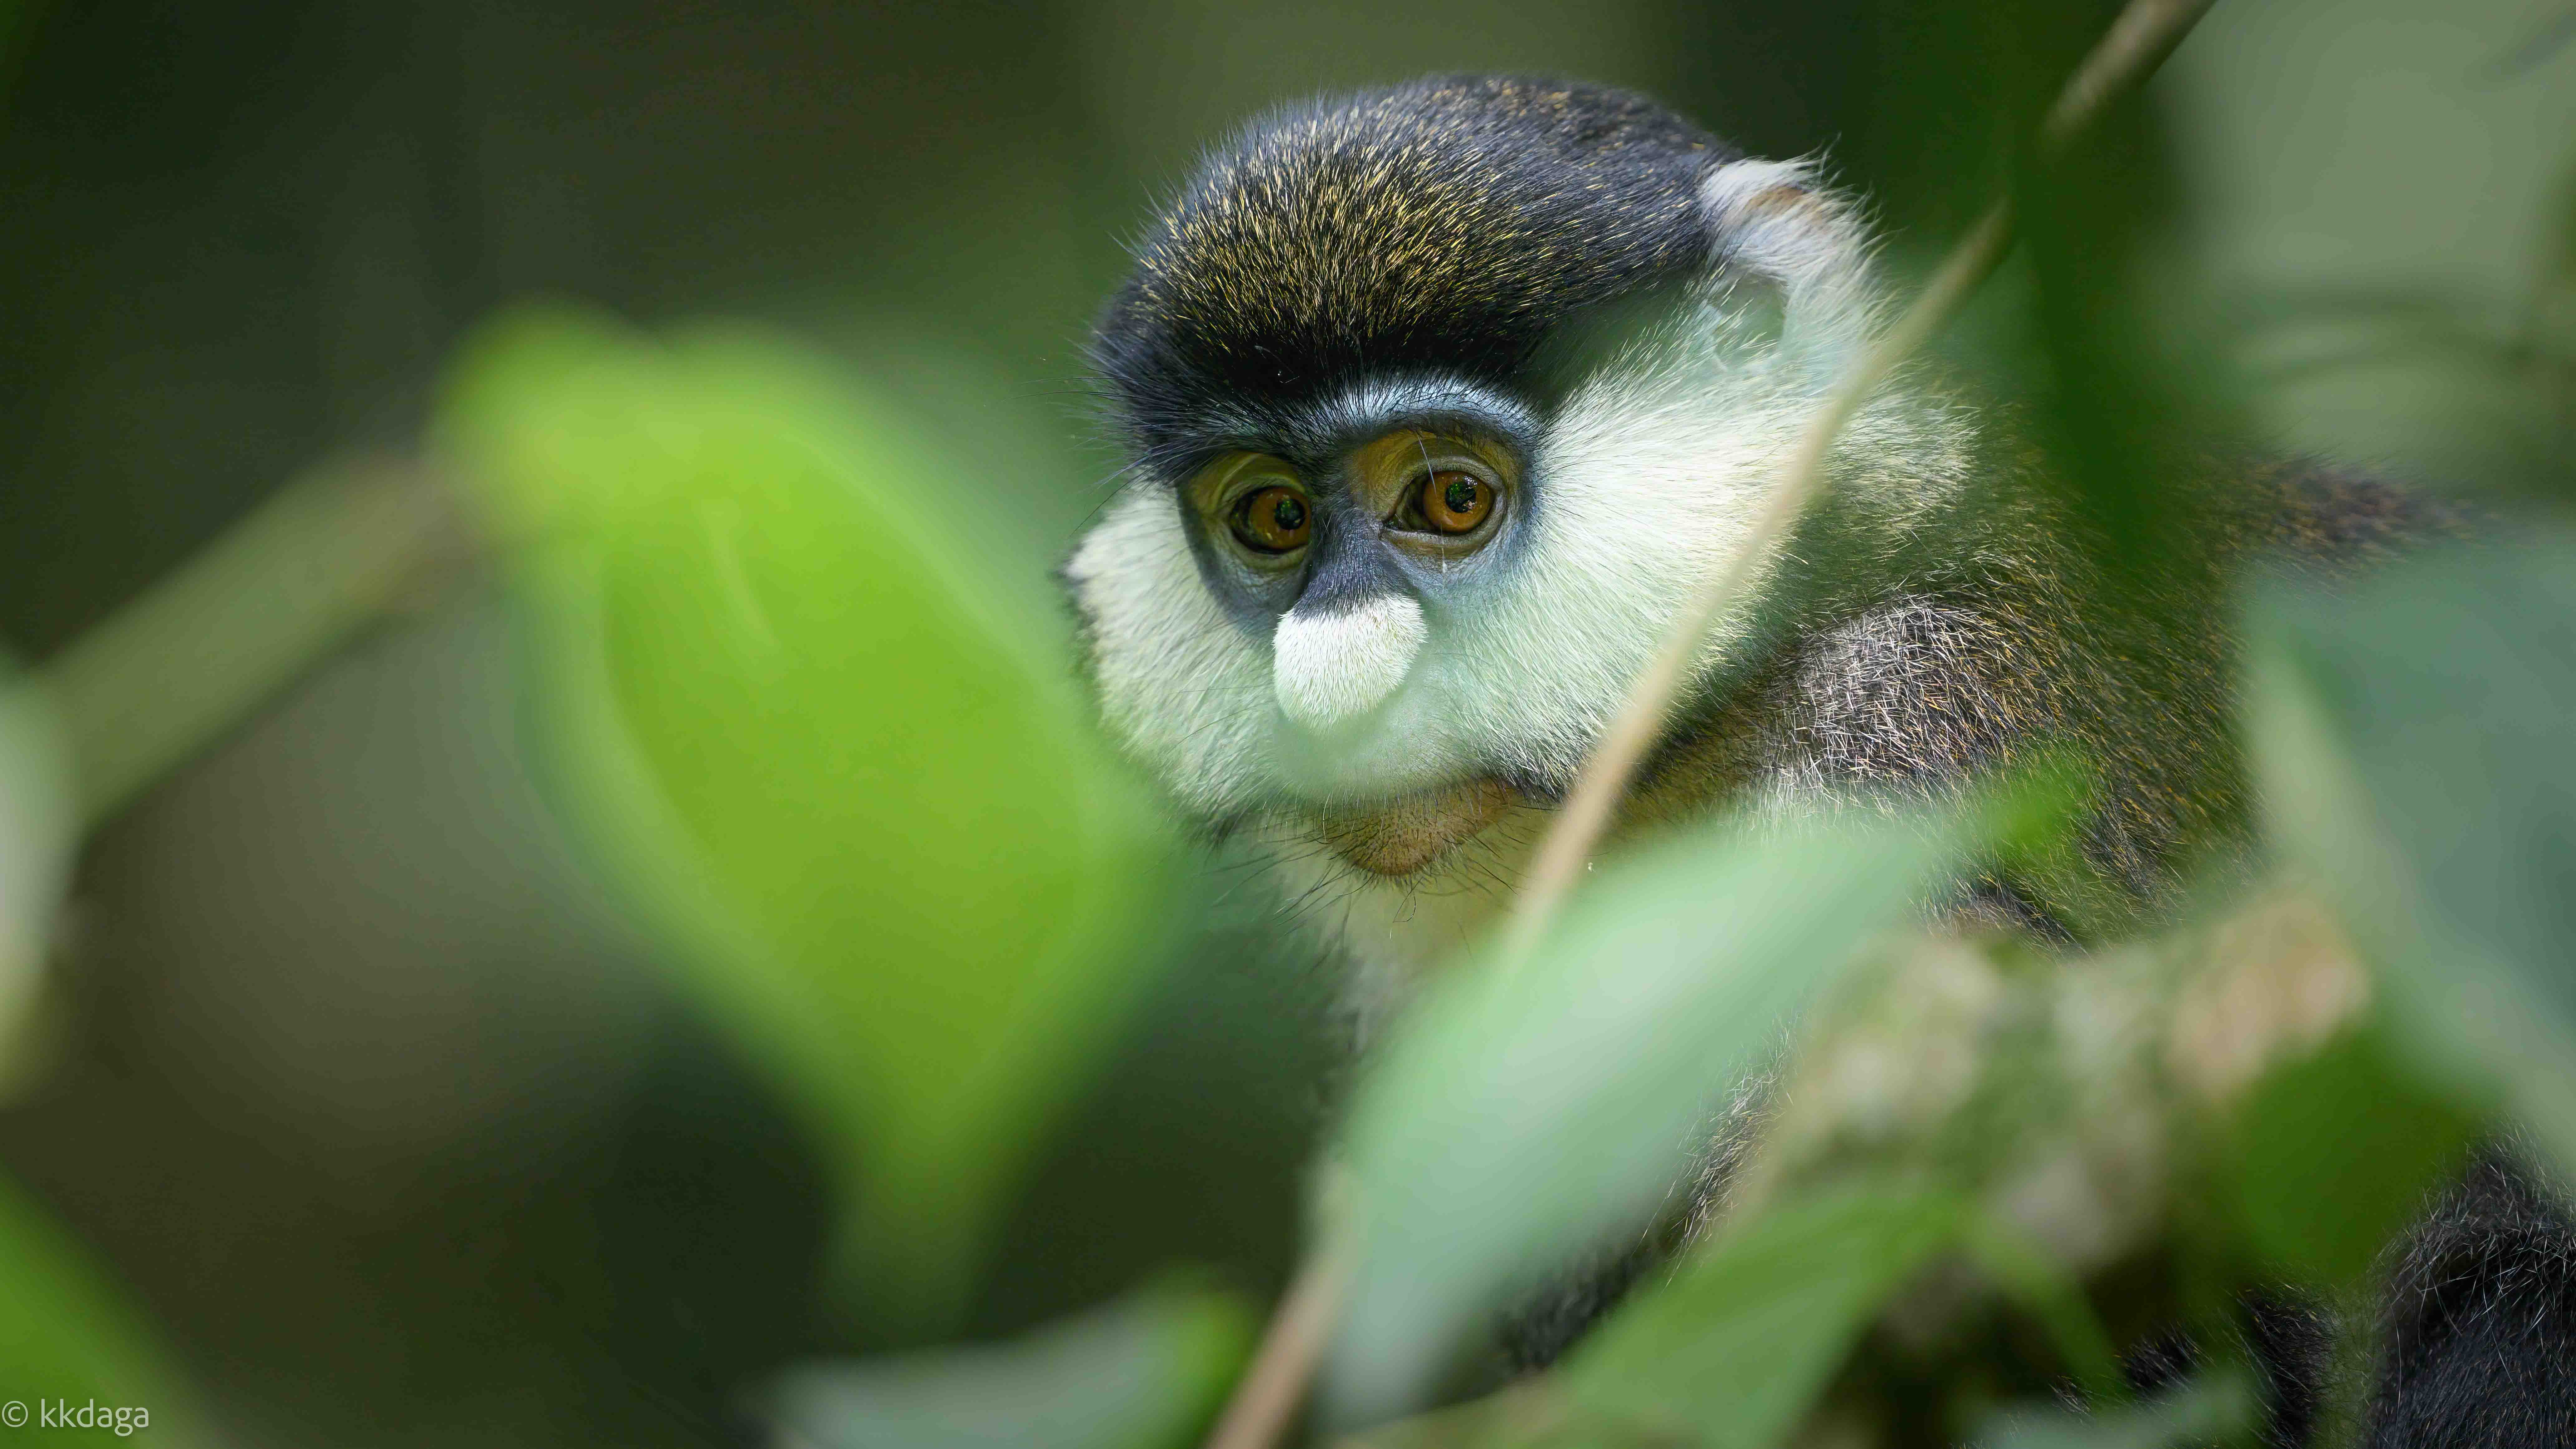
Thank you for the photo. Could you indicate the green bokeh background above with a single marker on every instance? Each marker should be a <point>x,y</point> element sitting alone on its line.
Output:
<point>383,1115</point>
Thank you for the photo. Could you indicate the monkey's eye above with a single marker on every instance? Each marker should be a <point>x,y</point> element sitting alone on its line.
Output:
<point>1454,502</point>
<point>1273,520</point>
<point>1444,496</point>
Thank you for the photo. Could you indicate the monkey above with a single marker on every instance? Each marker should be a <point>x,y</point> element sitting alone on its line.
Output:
<point>1438,400</point>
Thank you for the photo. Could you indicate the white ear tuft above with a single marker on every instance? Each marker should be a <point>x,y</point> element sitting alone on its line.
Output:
<point>1776,219</point>
<point>1333,665</point>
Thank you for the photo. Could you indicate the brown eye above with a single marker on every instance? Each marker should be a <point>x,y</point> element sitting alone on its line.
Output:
<point>1273,520</point>
<point>1455,502</point>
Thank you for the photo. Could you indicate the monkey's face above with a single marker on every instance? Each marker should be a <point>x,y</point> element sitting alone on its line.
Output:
<point>1442,401</point>
<point>1387,625</point>
<point>1308,626</point>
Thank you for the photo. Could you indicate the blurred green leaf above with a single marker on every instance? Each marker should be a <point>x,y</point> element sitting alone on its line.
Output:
<point>2208,1410</point>
<point>36,839</point>
<point>1730,1354</point>
<point>2041,1286</point>
<point>2335,1154</point>
<point>66,1334</point>
<point>1519,1115</point>
<point>847,778</point>
<point>1139,1374</point>
<point>1526,1413</point>
<point>2035,838</point>
<point>2410,734</point>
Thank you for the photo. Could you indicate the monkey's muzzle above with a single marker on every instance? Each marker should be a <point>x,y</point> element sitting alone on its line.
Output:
<point>1406,835</point>
<point>1335,664</point>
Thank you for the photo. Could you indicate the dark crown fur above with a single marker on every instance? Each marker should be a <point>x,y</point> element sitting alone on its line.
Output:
<point>1450,224</point>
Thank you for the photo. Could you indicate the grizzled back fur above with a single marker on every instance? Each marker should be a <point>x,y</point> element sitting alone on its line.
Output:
<point>1454,223</point>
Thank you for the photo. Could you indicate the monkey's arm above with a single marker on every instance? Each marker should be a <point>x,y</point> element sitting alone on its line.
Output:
<point>2478,1340</point>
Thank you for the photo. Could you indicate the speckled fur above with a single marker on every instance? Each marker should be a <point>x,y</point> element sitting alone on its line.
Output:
<point>2478,1337</point>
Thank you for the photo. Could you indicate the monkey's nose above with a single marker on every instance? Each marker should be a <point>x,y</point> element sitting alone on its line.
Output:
<point>1340,660</point>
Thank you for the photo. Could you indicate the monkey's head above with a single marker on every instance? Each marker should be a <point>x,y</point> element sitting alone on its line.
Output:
<point>1439,401</point>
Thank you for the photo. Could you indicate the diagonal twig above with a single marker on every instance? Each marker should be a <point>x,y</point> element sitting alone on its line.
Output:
<point>330,554</point>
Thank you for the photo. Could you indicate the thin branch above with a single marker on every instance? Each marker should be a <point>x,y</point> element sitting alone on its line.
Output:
<point>2140,37</point>
<point>332,553</point>
<point>1266,1398</point>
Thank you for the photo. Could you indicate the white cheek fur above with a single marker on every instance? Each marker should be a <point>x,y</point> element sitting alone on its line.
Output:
<point>1645,486</point>
<point>1180,686</point>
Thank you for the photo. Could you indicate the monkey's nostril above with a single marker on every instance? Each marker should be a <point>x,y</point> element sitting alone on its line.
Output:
<point>1332,665</point>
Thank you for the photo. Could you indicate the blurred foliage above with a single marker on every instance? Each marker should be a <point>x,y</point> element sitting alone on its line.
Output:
<point>67,1335</point>
<point>36,836</point>
<point>65,1332</point>
<point>2206,1411</point>
<point>1143,1373</point>
<point>1531,1110</point>
<point>307,573</point>
<point>847,782</point>
<point>2336,1155</point>
<point>2414,741</point>
<point>1733,1350</point>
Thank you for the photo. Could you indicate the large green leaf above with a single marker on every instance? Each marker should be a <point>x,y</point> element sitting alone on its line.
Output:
<point>1520,1114</point>
<point>2411,736</point>
<point>1730,1354</point>
<point>852,783</point>
<point>1143,1373</point>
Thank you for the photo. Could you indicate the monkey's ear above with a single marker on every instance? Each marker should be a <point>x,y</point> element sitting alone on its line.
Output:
<point>1776,220</point>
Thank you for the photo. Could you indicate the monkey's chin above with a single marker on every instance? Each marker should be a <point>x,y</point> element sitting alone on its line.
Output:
<point>1401,836</point>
